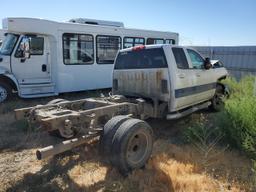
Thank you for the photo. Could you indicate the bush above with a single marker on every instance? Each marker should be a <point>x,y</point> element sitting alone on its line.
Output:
<point>202,133</point>
<point>238,120</point>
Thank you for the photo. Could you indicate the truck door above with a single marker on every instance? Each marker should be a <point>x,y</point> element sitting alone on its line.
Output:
<point>205,79</point>
<point>185,81</point>
<point>30,61</point>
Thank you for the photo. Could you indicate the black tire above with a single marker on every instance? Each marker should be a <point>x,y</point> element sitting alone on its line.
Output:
<point>132,145</point>
<point>56,101</point>
<point>108,133</point>
<point>217,103</point>
<point>5,92</point>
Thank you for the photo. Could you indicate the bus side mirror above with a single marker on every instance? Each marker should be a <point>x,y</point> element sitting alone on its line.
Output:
<point>27,48</point>
<point>24,49</point>
<point>207,63</point>
<point>27,55</point>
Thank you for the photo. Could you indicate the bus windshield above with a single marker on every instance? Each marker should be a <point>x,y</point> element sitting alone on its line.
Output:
<point>8,44</point>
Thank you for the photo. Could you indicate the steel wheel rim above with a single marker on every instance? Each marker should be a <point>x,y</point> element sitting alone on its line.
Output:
<point>220,99</point>
<point>66,133</point>
<point>137,148</point>
<point>3,94</point>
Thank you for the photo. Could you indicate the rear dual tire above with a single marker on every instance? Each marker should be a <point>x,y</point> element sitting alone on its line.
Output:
<point>130,144</point>
<point>108,133</point>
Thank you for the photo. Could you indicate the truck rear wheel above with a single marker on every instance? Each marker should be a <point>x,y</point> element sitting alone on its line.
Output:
<point>5,92</point>
<point>108,133</point>
<point>132,145</point>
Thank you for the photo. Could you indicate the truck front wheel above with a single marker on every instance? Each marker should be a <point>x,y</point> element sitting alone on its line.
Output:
<point>132,145</point>
<point>218,101</point>
<point>5,92</point>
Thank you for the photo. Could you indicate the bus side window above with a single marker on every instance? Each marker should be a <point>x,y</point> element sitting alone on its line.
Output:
<point>170,41</point>
<point>78,49</point>
<point>133,41</point>
<point>107,48</point>
<point>151,41</point>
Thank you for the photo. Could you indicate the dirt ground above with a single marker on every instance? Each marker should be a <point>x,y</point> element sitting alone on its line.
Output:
<point>173,166</point>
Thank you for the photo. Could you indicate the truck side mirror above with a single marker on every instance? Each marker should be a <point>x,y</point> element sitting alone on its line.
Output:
<point>207,63</point>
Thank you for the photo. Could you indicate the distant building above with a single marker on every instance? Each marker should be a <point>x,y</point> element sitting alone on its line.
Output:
<point>239,60</point>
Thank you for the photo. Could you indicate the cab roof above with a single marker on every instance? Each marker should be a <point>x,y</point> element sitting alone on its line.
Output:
<point>152,47</point>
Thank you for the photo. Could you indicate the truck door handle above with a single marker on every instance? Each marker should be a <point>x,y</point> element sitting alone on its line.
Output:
<point>22,60</point>
<point>181,75</point>
<point>44,67</point>
<point>198,75</point>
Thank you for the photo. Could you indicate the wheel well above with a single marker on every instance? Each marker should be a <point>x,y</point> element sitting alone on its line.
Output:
<point>8,81</point>
<point>221,78</point>
<point>222,87</point>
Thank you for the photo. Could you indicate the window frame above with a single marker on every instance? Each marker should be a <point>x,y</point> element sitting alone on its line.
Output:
<point>43,45</point>
<point>173,40</point>
<point>185,54</point>
<point>144,41</point>
<point>96,45</point>
<point>161,51</point>
<point>93,47</point>
<point>13,51</point>
<point>192,66</point>
<point>18,42</point>
<point>154,40</point>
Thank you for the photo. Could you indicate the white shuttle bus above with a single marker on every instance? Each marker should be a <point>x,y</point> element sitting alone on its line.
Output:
<point>2,32</point>
<point>43,58</point>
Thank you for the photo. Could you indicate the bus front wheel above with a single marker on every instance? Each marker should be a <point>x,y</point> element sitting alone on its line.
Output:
<point>5,92</point>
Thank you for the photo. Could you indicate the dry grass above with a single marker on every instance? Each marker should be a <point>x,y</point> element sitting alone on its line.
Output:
<point>172,167</point>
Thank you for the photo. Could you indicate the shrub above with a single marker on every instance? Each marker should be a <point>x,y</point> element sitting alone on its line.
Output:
<point>235,125</point>
<point>204,137</point>
<point>202,133</point>
<point>238,120</point>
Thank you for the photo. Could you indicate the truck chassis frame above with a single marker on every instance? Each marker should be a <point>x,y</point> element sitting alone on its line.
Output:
<point>83,120</point>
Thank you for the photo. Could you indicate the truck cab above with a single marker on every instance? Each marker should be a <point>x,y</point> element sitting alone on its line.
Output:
<point>24,62</point>
<point>175,77</point>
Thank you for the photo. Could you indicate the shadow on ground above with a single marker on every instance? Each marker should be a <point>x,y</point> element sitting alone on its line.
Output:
<point>61,172</point>
<point>82,169</point>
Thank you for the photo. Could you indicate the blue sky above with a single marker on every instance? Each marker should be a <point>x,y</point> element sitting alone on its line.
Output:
<point>199,22</point>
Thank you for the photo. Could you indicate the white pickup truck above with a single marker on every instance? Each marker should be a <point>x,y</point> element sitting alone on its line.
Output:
<point>157,81</point>
<point>175,78</point>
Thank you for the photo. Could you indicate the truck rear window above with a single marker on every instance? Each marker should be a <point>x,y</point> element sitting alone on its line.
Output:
<point>141,59</point>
